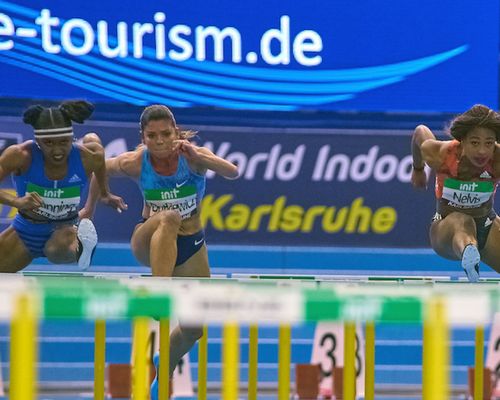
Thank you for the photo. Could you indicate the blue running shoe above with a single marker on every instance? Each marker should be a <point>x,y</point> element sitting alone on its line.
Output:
<point>470,262</point>
<point>154,384</point>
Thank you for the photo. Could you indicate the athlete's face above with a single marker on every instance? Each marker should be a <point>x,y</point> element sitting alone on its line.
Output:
<point>159,135</point>
<point>479,146</point>
<point>56,150</point>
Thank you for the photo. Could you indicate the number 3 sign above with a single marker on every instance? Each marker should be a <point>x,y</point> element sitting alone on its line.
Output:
<point>328,351</point>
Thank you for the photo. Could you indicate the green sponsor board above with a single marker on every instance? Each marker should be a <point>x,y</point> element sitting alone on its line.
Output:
<point>479,186</point>
<point>326,305</point>
<point>54,193</point>
<point>170,194</point>
<point>93,299</point>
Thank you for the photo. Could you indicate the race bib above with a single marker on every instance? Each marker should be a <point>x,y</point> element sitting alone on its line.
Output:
<point>58,203</point>
<point>181,198</point>
<point>463,194</point>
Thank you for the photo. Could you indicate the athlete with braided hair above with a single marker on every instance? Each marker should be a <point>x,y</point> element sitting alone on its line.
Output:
<point>50,174</point>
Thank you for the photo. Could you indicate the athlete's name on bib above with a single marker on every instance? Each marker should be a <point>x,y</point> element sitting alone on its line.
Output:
<point>467,194</point>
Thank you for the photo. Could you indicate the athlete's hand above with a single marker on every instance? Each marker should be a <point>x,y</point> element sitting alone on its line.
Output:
<point>85,213</point>
<point>114,201</point>
<point>30,201</point>
<point>187,149</point>
<point>419,179</point>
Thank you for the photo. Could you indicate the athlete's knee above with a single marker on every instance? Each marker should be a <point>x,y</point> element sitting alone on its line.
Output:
<point>169,219</point>
<point>57,255</point>
<point>58,248</point>
<point>192,333</point>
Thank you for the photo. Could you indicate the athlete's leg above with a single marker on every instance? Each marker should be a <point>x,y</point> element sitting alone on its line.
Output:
<point>154,243</point>
<point>452,234</point>
<point>62,246</point>
<point>14,255</point>
<point>490,255</point>
<point>455,237</point>
<point>184,337</point>
<point>69,243</point>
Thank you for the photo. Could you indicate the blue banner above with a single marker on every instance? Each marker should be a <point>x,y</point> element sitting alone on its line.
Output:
<point>337,188</point>
<point>423,55</point>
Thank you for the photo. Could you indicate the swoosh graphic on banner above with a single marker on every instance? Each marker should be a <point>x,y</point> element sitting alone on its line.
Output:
<point>146,80</point>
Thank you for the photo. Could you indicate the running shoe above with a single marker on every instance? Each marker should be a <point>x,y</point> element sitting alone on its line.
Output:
<point>470,262</point>
<point>154,384</point>
<point>87,237</point>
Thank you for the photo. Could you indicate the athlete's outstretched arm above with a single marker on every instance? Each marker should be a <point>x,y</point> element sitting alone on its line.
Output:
<point>99,186</point>
<point>122,165</point>
<point>202,159</point>
<point>425,149</point>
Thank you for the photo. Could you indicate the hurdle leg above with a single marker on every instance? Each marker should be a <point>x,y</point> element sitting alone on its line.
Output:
<point>99,358</point>
<point>253,357</point>
<point>140,369</point>
<point>370,361</point>
<point>479,363</point>
<point>435,352</point>
<point>163,373</point>
<point>230,360</point>
<point>202,364</point>
<point>349,378</point>
<point>23,357</point>
<point>284,360</point>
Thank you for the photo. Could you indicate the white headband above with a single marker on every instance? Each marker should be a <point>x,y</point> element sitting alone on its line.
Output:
<point>53,132</point>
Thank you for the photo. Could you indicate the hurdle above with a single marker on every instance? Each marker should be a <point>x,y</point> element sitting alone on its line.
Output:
<point>232,304</point>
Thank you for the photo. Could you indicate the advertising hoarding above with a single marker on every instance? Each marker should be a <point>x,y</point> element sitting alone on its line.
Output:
<point>324,55</point>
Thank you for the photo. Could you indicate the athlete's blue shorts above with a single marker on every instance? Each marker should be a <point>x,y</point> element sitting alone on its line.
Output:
<point>188,245</point>
<point>35,235</point>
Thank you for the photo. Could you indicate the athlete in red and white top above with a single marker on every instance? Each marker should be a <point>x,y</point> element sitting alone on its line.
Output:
<point>465,226</point>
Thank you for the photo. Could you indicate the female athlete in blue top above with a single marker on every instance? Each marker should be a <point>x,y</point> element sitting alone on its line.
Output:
<point>50,174</point>
<point>170,172</point>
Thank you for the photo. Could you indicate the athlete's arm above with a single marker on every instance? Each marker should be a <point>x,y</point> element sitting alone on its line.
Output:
<point>14,159</point>
<point>201,159</point>
<point>126,164</point>
<point>94,162</point>
<point>99,186</point>
<point>496,160</point>
<point>425,149</point>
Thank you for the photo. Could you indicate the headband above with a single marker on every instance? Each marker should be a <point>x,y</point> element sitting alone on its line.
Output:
<point>53,132</point>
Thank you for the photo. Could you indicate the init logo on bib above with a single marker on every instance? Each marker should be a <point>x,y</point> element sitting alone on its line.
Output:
<point>58,203</point>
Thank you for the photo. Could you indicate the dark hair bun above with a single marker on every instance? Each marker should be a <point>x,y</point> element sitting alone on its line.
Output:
<point>78,110</point>
<point>32,114</point>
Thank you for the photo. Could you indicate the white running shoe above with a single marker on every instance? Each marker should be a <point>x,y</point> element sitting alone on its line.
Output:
<point>87,235</point>
<point>470,262</point>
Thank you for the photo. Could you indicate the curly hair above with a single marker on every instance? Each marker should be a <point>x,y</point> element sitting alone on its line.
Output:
<point>475,117</point>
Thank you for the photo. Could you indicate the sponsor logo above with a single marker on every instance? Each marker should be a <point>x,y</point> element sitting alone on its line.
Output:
<point>34,35</point>
<point>74,178</point>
